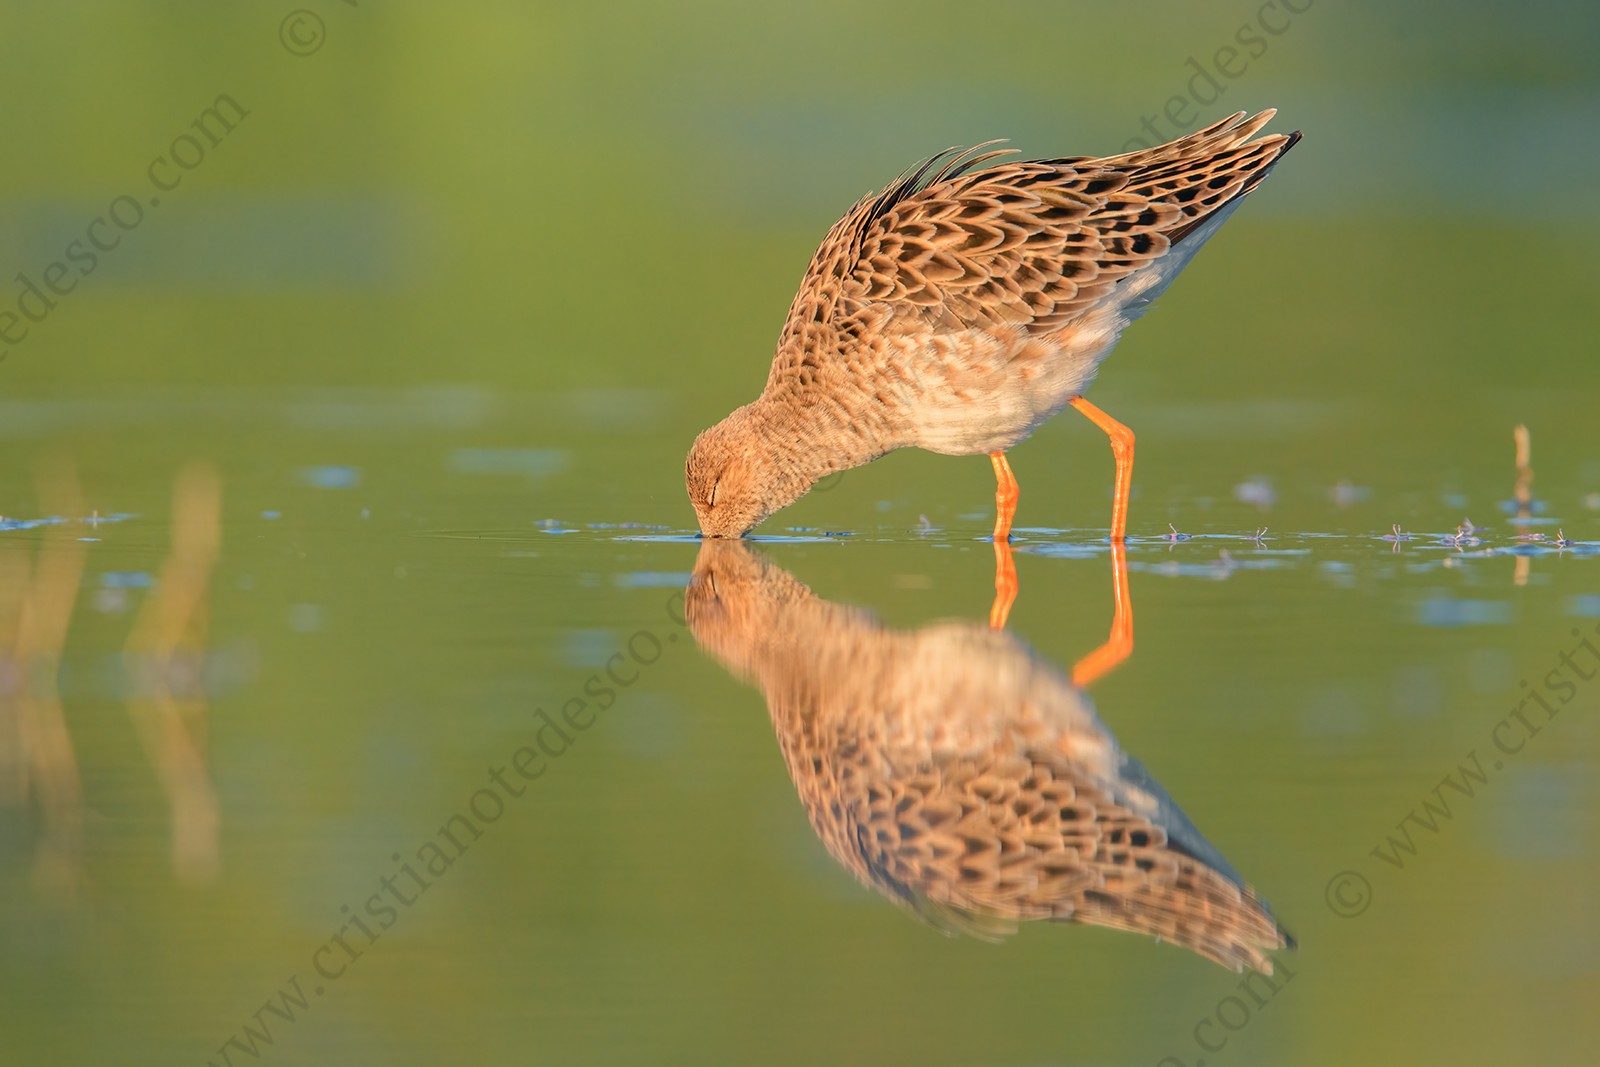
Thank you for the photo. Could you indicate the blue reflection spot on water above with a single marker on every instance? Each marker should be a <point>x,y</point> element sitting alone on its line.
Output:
<point>1344,494</point>
<point>1490,670</point>
<point>1334,712</point>
<point>1545,814</point>
<point>388,753</point>
<point>110,601</point>
<point>529,461</point>
<point>1584,604</point>
<point>278,243</point>
<point>1219,569</point>
<point>1257,491</point>
<point>649,726</point>
<point>1443,611</point>
<point>331,477</point>
<point>305,618</point>
<point>1417,692</point>
<point>650,579</point>
<point>1057,550</point>
<point>216,672</point>
<point>588,648</point>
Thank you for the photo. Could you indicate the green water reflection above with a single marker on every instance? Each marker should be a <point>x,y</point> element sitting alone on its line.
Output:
<point>371,435</point>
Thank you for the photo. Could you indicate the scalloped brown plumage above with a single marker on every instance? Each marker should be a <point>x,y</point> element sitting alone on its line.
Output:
<point>965,778</point>
<point>959,314</point>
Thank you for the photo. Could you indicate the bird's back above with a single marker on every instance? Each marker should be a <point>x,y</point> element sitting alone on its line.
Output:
<point>965,309</point>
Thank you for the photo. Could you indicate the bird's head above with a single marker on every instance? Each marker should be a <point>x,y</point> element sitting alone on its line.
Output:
<point>734,482</point>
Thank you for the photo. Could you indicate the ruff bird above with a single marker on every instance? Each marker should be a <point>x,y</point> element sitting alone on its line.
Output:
<point>960,308</point>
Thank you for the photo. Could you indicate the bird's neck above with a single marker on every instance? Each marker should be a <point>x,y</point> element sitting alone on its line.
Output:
<point>812,433</point>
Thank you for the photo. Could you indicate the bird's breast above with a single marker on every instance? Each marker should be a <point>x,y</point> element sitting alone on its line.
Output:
<point>971,392</point>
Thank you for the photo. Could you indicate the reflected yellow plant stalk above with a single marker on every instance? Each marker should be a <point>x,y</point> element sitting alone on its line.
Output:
<point>164,657</point>
<point>1523,493</point>
<point>35,612</point>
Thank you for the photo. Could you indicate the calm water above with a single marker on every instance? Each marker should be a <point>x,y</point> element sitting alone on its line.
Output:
<point>242,742</point>
<point>349,711</point>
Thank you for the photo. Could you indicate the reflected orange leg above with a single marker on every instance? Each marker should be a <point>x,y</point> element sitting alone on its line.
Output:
<point>1005,584</point>
<point>1006,494</point>
<point>1120,644</point>
<point>1122,448</point>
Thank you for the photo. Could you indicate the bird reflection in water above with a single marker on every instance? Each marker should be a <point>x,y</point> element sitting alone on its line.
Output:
<point>964,777</point>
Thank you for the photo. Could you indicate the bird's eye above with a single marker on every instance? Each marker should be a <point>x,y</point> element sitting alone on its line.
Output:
<point>713,501</point>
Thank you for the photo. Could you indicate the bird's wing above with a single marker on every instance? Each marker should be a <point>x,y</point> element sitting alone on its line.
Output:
<point>1032,244</point>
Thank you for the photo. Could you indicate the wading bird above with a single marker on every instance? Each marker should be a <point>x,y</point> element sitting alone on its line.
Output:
<point>960,312</point>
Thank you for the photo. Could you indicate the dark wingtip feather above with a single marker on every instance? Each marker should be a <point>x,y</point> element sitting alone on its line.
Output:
<point>1290,140</point>
<point>970,158</point>
<point>954,162</point>
<point>907,183</point>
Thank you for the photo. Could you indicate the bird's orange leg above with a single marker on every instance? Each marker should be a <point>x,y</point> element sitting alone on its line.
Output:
<point>1006,495</point>
<point>1120,644</point>
<point>1122,448</point>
